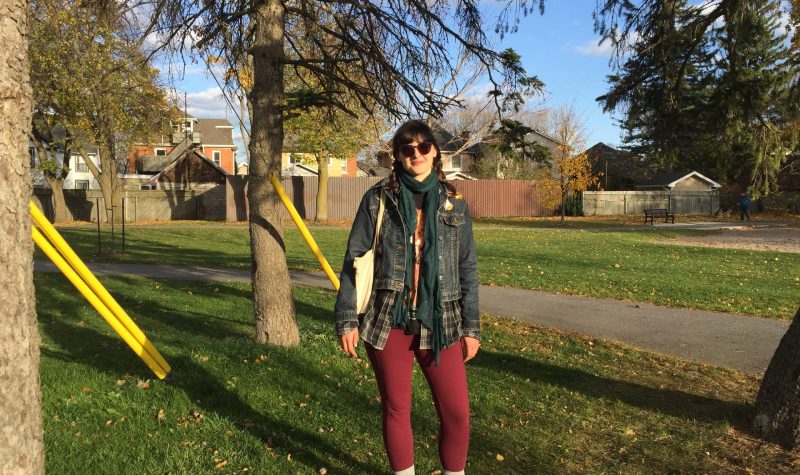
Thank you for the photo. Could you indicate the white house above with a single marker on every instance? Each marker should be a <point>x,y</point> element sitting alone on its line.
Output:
<point>78,178</point>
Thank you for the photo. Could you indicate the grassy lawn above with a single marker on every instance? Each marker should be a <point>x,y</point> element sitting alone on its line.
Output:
<point>602,261</point>
<point>542,402</point>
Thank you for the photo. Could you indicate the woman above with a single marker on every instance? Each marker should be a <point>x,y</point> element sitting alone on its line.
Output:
<point>425,297</point>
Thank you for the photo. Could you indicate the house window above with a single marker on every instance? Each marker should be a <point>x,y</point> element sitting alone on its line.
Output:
<point>217,157</point>
<point>455,162</point>
<point>330,161</point>
<point>188,125</point>
<point>145,187</point>
<point>344,166</point>
<point>80,166</point>
<point>161,152</point>
<point>81,184</point>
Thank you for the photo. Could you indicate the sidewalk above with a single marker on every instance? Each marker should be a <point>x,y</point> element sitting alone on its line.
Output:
<point>740,342</point>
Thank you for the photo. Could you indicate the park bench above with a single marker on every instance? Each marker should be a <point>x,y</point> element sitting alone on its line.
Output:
<point>650,214</point>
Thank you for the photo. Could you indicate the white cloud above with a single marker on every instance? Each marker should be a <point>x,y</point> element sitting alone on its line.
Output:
<point>595,48</point>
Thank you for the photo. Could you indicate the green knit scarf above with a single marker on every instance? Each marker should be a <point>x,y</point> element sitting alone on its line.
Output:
<point>429,295</point>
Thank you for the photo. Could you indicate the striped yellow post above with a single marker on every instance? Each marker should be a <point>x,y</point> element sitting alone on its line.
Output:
<point>101,308</point>
<point>304,231</point>
<point>96,287</point>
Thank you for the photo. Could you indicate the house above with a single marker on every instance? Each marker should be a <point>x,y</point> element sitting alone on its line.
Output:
<point>212,137</point>
<point>243,169</point>
<point>459,176</point>
<point>680,181</point>
<point>336,166</point>
<point>299,169</point>
<point>371,169</point>
<point>621,170</point>
<point>192,170</point>
<point>79,177</point>
<point>456,155</point>
<point>542,139</point>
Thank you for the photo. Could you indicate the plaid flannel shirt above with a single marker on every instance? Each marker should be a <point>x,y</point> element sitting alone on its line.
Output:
<point>374,326</point>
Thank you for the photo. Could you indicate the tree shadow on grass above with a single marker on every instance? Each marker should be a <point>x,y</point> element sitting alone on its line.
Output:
<point>665,401</point>
<point>80,345</point>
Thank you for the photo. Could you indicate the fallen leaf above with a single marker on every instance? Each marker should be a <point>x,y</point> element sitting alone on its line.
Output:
<point>121,382</point>
<point>221,464</point>
<point>86,390</point>
<point>499,458</point>
<point>629,431</point>
<point>160,415</point>
<point>142,384</point>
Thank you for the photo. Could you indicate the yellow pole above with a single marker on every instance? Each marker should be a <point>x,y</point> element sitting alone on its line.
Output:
<point>304,231</point>
<point>95,285</point>
<point>84,289</point>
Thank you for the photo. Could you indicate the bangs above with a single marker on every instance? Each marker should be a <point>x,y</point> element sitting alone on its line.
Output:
<point>411,131</point>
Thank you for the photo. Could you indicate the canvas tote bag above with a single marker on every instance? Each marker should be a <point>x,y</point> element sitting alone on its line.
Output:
<point>365,267</point>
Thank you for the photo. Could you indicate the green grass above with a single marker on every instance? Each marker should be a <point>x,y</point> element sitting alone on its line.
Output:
<point>544,401</point>
<point>595,262</point>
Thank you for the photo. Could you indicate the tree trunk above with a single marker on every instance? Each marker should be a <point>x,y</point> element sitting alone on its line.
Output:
<point>273,303</point>
<point>322,189</point>
<point>244,108</point>
<point>59,203</point>
<point>777,414</point>
<point>21,449</point>
<point>109,183</point>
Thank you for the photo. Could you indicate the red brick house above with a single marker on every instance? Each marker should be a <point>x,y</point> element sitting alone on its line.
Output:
<point>212,137</point>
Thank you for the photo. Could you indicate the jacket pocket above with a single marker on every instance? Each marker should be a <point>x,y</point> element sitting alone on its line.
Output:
<point>449,237</point>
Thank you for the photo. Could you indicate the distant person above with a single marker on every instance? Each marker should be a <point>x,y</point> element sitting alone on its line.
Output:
<point>424,303</point>
<point>744,205</point>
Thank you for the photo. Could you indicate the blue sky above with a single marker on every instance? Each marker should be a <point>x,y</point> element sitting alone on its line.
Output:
<point>559,47</point>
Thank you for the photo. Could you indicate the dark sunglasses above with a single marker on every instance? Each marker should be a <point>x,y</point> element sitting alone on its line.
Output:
<point>407,150</point>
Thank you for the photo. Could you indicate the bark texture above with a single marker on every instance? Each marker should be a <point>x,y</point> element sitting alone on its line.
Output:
<point>273,303</point>
<point>59,202</point>
<point>21,449</point>
<point>322,189</point>
<point>777,416</point>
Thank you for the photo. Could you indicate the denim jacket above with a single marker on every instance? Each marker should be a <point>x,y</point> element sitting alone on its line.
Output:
<point>458,260</point>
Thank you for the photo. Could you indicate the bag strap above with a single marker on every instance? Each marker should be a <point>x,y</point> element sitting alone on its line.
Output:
<point>378,223</point>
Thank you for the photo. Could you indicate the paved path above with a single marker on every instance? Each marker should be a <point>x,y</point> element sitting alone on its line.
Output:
<point>741,342</point>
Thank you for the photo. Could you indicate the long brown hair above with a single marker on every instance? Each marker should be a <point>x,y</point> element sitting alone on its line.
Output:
<point>408,132</point>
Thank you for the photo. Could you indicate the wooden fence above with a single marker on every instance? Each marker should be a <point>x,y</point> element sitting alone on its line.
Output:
<point>604,203</point>
<point>148,205</point>
<point>486,198</point>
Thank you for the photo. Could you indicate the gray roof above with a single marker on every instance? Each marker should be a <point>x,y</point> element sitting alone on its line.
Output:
<point>215,131</point>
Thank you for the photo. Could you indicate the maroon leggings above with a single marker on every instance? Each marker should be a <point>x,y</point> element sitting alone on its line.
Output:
<point>448,384</point>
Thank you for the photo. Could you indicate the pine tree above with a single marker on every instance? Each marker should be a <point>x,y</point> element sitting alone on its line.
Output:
<point>751,97</point>
<point>703,89</point>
